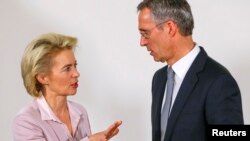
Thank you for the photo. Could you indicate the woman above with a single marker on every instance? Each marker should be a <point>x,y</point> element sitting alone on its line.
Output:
<point>50,75</point>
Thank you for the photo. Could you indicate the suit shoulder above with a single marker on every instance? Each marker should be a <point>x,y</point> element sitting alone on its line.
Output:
<point>215,67</point>
<point>215,71</point>
<point>161,70</point>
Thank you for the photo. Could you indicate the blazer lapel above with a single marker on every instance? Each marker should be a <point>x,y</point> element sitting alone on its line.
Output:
<point>185,90</point>
<point>58,130</point>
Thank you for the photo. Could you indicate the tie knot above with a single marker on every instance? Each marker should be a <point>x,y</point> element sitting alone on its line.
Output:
<point>170,73</point>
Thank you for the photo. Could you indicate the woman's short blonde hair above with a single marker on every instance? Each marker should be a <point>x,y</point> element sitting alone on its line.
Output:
<point>37,58</point>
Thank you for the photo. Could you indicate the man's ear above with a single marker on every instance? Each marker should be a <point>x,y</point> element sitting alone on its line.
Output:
<point>42,78</point>
<point>171,27</point>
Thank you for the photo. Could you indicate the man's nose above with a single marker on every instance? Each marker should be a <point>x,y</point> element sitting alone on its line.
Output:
<point>143,41</point>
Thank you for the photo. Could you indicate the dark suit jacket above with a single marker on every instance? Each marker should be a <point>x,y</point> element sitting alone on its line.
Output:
<point>208,95</point>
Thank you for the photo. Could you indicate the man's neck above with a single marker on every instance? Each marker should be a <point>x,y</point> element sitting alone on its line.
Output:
<point>183,45</point>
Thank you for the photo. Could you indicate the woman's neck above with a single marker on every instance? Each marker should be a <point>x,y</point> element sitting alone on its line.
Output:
<point>58,104</point>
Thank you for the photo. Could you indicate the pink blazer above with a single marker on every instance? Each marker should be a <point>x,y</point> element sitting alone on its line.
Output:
<point>30,124</point>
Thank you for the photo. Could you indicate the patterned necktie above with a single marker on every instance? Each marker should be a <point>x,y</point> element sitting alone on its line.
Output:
<point>168,98</point>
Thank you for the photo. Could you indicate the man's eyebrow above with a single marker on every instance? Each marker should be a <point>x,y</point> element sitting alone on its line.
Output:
<point>142,30</point>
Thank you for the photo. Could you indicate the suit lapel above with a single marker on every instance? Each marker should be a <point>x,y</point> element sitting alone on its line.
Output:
<point>158,89</point>
<point>185,91</point>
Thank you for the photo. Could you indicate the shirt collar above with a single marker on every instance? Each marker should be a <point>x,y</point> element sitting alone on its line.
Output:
<point>48,114</point>
<point>45,110</point>
<point>181,66</point>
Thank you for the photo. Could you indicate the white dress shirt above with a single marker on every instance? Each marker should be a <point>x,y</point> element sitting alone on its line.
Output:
<point>180,68</point>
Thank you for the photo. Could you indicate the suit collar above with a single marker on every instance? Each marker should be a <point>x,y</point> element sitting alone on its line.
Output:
<point>182,65</point>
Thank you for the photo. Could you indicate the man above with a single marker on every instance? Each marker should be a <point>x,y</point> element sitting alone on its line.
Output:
<point>204,92</point>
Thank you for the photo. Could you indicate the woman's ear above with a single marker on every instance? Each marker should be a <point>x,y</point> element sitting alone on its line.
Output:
<point>42,78</point>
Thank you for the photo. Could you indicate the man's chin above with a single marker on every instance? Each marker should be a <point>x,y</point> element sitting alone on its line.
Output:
<point>163,61</point>
<point>159,60</point>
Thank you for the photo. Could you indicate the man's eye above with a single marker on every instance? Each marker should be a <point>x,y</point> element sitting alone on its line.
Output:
<point>144,34</point>
<point>67,69</point>
<point>75,65</point>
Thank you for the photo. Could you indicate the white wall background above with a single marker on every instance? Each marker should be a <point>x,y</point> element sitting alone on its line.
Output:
<point>116,72</point>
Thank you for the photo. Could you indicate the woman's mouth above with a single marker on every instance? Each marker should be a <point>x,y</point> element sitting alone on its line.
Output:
<point>74,85</point>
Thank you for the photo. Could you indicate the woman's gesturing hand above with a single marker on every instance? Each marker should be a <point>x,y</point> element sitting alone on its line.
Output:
<point>106,134</point>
